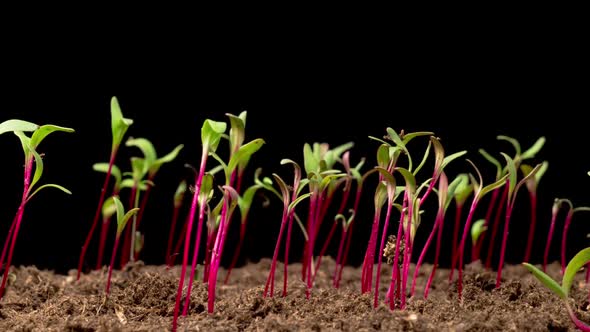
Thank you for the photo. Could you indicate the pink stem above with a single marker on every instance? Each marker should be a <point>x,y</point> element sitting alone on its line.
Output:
<point>323,250</point>
<point>395,273</point>
<point>579,324</point>
<point>97,213</point>
<point>381,247</point>
<point>287,246</point>
<point>529,244</point>
<point>271,275</point>
<point>179,242</point>
<point>367,275</point>
<point>424,250</point>
<point>440,219</point>
<point>104,229</point>
<point>208,252</point>
<point>216,253</point>
<point>342,263</point>
<point>195,258</point>
<point>407,255</point>
<point>191,218</point>
<point>8,236</point>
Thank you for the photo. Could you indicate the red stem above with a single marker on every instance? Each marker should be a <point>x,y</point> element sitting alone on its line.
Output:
<point>287,246</point>
<point>435,227</point>
<point>407,255</point>
<point>128,235</point>
<point>270,280</point>
<point>367,274</point>
<point>97,213</point>
<point>340,264</point>
<point>8,236</point>
<point>216,254</point>
<point>492,242</point>
<point>395,273</point>
<point>104,229</point>
<point>579,324</point>
<point>115,246</point>
<point>380,257</point>
<point>324,248</point>
<point>179,242</point>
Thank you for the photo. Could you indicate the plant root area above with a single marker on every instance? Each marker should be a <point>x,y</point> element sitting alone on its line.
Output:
<point>142,299</point>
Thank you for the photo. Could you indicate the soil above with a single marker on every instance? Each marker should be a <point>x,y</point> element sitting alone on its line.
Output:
<point>142,299</point>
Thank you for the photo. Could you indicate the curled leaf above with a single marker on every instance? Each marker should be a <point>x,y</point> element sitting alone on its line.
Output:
<point>17,125</point>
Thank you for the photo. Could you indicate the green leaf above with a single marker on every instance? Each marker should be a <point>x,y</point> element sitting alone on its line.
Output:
<point>245,201</point>
<point>17,125</point>
<point>524,180</point>
<point>574,265</point>
<point>492,160</point>
<point>115,172</point>
<point>166,159</point>
<point>245,151</point>
<point>237,132</point>
<point>448,159</point>
<point>409,178</point>
<point>139,167</point>
<point>179,193</point>
<point>477,229</point>
<point>533,150</point>
<point>220,161</point>
<point>439,153</point>
<point>283,187</point>
<point>381,141</point>
<point>546,280</point>
<point>146,147</point>
<point>424,158</point>
<point>206,188</point>
<point>459,189</point>
<point>298,200</point>
<point>211,133</point>
<point>25,143</point>
<point>38,167</point>
<point>380,195</point>
<point>127,183</point>
<point>310,163</point>
<point>492,186</point>
<point>541,171</point>
<point>333,155</point>
<point>443,191</point>
<point>119,124</point>
<point>108,209</point>
<point>512,141</point>
<point>511,174</point>
<point>40,134</point>
<point>49,185</point>
<point>122,217</point>
<point>410,136</point>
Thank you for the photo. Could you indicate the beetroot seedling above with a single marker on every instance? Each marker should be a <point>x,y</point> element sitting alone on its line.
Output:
<point>122,219</point>
<point>532,184</point>
<point>462,192</point>
<point>177,203</point>
<point>32,157</point>
<point>574,265</point>
<point>119,126</point>
<point>107,211</point>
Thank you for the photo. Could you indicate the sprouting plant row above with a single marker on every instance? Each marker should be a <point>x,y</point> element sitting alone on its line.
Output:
<point>326,179</point>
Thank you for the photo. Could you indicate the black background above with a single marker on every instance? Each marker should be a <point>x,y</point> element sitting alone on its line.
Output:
<point>327,86</point>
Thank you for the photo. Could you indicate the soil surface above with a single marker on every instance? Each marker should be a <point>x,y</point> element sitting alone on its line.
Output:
<point>142,299</point>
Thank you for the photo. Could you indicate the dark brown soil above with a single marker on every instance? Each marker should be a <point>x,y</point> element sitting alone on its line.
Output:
<point>142,299</point>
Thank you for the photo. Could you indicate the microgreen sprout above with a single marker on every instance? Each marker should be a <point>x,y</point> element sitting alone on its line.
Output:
<point>122,219</point>
<point>462,192</point>
<point>119,126</point>
<point>32,157</point>
<point>566,226</point>
<point>574,265</point>
<point>531,184</point>
<point>554,212</point>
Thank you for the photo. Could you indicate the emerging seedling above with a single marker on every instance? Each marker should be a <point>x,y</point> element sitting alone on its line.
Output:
<point>122,219</point>
<point>574,265</point>
<point>119,126</point>
<point>531,184</point>
<point>32,157</point>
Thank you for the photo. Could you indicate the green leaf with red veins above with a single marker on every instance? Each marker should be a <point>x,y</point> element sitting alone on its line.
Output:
<point>40,134</point>
<point>492,160</point>
<point>546,280</point>
<point>512,141</point>
<point>17,125</point>
<point>477,229</point>
<point>533,150</point>
<point>574,265</point>
<point>211,133</point>
<point>115,172</point>
<point>119,124</point>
